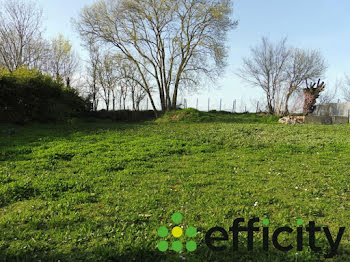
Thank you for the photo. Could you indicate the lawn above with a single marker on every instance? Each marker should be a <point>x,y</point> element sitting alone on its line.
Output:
<point>99,190</point>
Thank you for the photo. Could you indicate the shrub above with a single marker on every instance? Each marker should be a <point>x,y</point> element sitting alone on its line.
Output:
<point>28,95</point>
<point>122,115</point>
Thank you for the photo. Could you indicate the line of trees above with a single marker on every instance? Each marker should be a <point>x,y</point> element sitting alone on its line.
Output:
<point>111,79</point>
<point>137,49</point>
<point>169,45</point>
<point>280,71</point>
<point>35,74</point>
<point>154,49</point>
<point>22,43</point>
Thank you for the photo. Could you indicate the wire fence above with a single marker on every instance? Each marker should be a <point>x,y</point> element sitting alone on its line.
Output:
<point>234,107</point>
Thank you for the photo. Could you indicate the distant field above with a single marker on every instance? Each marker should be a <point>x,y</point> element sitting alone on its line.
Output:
<point>98,191</point>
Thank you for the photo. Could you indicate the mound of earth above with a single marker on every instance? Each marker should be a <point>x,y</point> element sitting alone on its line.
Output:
<point>185,115</point>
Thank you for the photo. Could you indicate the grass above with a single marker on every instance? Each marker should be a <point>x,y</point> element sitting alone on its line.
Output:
<point>99,191</point>
<point>191,115</point>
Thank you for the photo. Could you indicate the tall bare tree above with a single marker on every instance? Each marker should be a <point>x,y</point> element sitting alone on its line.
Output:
<point>346,89</point>
<point>137,95</point>
<point>92,73</point>
<point>266,69</point>
<point>330,94</point>
<point>108,79</point>
<point>129,84</point>
<point>123,93</point>
<point>171,42</point>
<point>302,65</point>
<point>63,60</point>
<point>21,43</point>
<point>280,71</point>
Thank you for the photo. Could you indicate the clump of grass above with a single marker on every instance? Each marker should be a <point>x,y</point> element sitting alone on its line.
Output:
<point>185,115</point>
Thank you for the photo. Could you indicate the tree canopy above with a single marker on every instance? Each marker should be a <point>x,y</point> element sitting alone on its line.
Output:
<point>172,43</point>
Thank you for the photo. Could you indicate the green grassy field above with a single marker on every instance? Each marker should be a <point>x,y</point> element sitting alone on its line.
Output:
<point>98,191</point>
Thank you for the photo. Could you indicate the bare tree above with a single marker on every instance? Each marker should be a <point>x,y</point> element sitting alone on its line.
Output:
<point>171,43</point>
<point>108,78</point>
<point>137,95</point>
<point>21,43</point>
<point>330,95</point>
<point>266,69</point>
<point>280,72</point>
<point>346,89</point>
<point>63,61</point>
<point>123,93</point>
<point>296,101</point>
<point>302,65</point>
<point>92,73</point>
<point>129,83</point>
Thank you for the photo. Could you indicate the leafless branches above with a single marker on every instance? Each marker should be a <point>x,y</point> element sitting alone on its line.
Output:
<point>63,62</point>
<point>280,71</point>
<point>112,78</point>
<point>330,95</point>
<point>171,43</point>
<point>21,43</point>
<point>266,69</point>
<point>346,89</point>
<point>303,65</point>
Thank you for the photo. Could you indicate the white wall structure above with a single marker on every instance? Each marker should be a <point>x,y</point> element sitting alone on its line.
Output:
<point>341,109</point>
<point>330,114</point>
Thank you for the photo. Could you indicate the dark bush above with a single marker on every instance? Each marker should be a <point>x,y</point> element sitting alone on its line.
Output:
<point>28,95</point>
<point>122,115</point>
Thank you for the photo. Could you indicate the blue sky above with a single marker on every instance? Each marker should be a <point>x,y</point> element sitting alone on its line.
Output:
<point>313,24</point>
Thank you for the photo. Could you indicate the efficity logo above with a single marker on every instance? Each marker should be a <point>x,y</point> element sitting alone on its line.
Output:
<point>216,243</point>
<point>217,237</point>
<point>177,233</point>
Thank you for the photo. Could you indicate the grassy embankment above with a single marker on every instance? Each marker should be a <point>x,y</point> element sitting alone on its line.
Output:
<point>98,191</point>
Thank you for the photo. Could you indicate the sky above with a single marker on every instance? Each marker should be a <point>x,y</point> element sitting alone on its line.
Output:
<point>312,24</point>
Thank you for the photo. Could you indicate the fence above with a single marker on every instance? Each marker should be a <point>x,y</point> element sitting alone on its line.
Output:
<point>218,105</point>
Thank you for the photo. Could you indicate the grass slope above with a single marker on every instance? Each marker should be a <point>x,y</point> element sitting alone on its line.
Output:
<point>99,191</point>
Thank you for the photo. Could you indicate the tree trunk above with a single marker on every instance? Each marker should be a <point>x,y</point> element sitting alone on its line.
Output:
<point>269,105</point>
<point>133,99</point>
<point>68,82</point>
<point>286,109</point>
<point>113,101</point>
<point>152,103</point>
<point>162,98</point>
<point>94,102</point>
<point>174,102</point>
<point>120,101</point>
<point>311,94</point>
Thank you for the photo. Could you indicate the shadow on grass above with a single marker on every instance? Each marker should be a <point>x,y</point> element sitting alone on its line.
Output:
<point>109,253</point>
<point>18,135</point>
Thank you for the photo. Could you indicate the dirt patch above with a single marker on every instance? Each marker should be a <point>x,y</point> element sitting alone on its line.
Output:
<point>292,120</point>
